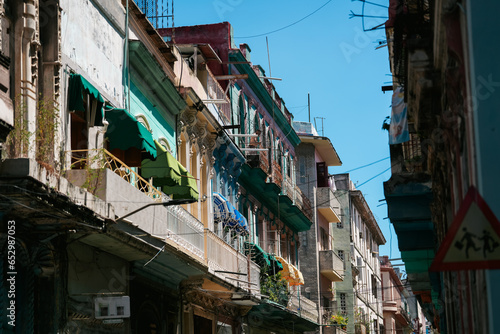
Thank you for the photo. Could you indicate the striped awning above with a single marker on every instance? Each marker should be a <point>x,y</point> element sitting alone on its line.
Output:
<point>225,212</point>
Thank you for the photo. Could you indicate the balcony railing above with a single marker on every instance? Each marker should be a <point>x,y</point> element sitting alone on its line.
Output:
<point>96,159</point>
<point>306,205</point>
<point>404,314</point>
<point>223,260</point>
<point>305,307</point>
<point>185,230</point>
<point>331,265</point>
<point>215,92</point>
<point>277,177</point>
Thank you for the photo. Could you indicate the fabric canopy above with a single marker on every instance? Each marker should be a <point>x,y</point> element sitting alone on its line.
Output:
<point>164,170</point>
<point>225,212</point>
<point>124,132</point>
<point>78,85</point>
<point>299,279</point>
<point>187,189</point>
<point>257,254</point>
<point>290,272</point>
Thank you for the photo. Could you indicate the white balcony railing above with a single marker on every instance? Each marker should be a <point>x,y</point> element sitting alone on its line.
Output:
<point>215,92</point>
<point>229,264</point>
<point>185,230</point>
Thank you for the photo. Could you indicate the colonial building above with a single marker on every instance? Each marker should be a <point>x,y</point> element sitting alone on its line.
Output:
<point>104,151</point>
<point>397,317</point>
<point>359,295</point>
<point>445,166</point>
<point>326,264</point>
<point>268,197</point>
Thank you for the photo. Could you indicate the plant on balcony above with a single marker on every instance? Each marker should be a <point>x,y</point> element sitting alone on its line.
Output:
<point>339,320</point>
<point>20,140</point>
<point>275,287</point>
<point>361,319</point>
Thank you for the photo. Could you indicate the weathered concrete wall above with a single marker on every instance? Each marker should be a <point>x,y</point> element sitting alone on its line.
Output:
<point>93,41</point>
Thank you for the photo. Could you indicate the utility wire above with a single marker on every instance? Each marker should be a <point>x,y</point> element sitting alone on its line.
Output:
<point>288,26</point>
<point>371,163</point>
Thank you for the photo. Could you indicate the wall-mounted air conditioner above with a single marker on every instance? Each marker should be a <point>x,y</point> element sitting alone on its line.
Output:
<point>112,307</point>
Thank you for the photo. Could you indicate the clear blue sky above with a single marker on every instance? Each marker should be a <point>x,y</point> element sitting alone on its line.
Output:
<point>329,56</point>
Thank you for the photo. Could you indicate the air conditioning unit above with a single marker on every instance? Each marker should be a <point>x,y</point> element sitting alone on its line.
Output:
<point>112,307</point>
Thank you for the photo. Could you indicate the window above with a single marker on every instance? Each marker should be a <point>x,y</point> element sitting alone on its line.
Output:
<point>343,303</point>
<point>340,224</point>
<point>322,174</point>
<point>374,286</point>
<point>341,254</point>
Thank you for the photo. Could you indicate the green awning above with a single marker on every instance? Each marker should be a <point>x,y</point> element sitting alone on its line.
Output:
<point>124,132</point>
<point>164,170</point>
<point>78,85</point>
<point>188,189</point>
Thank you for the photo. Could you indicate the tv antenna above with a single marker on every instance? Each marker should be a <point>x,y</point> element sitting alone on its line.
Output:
<point>322,128</point>
<point>363,16</point>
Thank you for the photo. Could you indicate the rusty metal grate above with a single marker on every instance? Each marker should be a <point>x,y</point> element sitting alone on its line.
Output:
<point>159,12</point>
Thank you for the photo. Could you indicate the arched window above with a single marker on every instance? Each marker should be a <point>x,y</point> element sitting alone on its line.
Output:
<point>256,122</point>
<point>144,121</point>
<point>164,142</point>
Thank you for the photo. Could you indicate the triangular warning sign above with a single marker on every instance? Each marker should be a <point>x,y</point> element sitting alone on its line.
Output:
<point>473,240</point>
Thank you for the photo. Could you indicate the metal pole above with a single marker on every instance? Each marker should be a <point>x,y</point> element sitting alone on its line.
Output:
<point>309,105</point>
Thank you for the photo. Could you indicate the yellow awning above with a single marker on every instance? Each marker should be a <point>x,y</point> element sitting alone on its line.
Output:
<point>299,278</point>
<point>289,272</point>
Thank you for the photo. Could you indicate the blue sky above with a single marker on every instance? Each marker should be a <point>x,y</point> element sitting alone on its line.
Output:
<point>329,56</point>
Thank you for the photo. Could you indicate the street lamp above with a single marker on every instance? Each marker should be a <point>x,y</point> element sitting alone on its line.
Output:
<point>169,203</point>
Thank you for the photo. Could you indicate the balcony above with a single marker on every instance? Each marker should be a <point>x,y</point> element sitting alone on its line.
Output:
<point>276,175</point>
<point>115,183</point>
<point>217,94</point>
<point>331,265</point>
<point>259,177</point>
<point>306,308</point>
<point>328,205</point>
<point>223,259</point>
<point>403,315</point>
<point>390,306</point>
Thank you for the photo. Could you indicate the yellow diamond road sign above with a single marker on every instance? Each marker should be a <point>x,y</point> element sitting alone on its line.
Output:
<point>473,239</point>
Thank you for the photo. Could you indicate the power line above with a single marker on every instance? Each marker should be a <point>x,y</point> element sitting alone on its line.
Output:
<point>373,177</point>
<point>371,163</point>
<point>288,26</point>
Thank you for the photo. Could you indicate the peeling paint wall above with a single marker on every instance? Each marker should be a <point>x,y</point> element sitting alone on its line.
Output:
<point>93,41</point>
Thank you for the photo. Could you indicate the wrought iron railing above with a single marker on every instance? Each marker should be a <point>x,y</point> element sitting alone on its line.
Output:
<point>263,161</point>
<point>306,206</point>
<point>185,230</point>
<point>277,177</point>
<point>96,159</point>
<point>215,92</point>
<point>223,260</point>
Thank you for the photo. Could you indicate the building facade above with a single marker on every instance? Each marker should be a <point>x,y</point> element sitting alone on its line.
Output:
<point>359,295</point>
<point>397,317</point>
<point>325,265</point>
<point>439,62</point>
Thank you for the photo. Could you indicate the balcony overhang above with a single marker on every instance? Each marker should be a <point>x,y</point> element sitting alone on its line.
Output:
<point>271,313</point>
<point>331,266</point>
<point>325,148</point>
<point>409,197</point>
<point>148,72</point>
<point>255,181</point>
<point>329,214</point>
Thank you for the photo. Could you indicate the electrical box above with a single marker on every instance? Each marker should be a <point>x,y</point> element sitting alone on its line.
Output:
<point>112,307</point>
